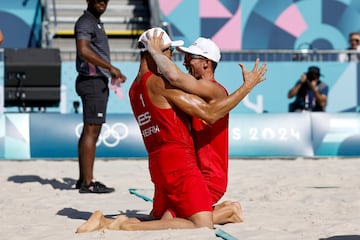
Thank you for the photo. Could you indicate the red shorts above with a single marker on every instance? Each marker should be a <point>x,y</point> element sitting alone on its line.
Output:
<point>215,176</point>
<point>180,189</point>
<point>217,188</point>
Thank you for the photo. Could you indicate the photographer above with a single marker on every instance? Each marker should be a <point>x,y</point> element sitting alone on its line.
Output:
<point>311,93</point>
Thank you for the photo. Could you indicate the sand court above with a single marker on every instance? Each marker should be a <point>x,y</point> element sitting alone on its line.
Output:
<point>281,199</point>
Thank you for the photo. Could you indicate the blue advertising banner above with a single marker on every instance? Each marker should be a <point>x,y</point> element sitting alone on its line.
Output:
<point>336,134</point>
<point>14,136</point>
<point>270,135</point>
<point>57,135</point>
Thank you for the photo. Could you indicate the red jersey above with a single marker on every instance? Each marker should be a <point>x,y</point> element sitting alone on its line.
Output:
<point>212,149</point>
<point>179,185</point>
<point>159,127</point>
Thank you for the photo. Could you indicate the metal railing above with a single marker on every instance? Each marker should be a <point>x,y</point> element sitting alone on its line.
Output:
<point>267,55</point>
<point>278,55</point>
<point>155,14</point>
<point>48,27</point>
<point>156,19</point>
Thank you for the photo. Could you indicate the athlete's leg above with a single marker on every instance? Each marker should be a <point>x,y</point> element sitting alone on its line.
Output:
<point>98,221</point>
<point>198,220</point>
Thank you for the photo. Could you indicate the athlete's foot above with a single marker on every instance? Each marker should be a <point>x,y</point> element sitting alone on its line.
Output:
<point>94,223</point>
<point>120,221</point>
<point>227,212</point>
<point>237,214</point>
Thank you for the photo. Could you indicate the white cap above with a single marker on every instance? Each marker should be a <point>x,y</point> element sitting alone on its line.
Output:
<point>204,47</point>
<point>166,39</point>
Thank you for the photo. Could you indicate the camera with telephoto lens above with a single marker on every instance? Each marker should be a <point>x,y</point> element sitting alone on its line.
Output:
<point>313,73</point>
<point>310,76</point>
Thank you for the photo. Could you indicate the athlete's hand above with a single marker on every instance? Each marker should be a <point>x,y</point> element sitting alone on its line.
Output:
<point>155,43</point>
<point>255,76</point>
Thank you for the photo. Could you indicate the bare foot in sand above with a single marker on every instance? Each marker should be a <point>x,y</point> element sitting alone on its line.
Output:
<point>227,212</point>
<point>237,216</point>
<point>96,222</point>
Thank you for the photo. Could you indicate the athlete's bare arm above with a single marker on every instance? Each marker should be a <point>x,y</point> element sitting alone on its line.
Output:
<point>163,94</point>
<point>205,89</point>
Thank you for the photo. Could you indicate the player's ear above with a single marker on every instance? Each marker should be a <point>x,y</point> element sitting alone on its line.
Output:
<point>206,63</point>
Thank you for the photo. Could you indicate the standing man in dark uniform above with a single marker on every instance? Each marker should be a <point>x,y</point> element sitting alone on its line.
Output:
<point>94,71</point>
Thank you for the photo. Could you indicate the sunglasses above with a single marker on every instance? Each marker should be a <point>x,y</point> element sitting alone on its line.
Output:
<point>169,48</point>
<point>195,56</point>
<point>354,40</point>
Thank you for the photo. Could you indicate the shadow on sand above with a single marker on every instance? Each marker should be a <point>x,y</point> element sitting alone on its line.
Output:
<point>65,184</point>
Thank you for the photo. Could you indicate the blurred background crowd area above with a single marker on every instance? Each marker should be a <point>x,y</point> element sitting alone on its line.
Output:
<point>289,34</point>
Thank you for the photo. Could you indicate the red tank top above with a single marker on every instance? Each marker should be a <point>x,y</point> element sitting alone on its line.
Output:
<point>166,132</point>
<point>212,148</point>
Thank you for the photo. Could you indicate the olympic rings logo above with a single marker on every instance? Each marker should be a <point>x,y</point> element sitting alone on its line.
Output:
<point>110,136</point>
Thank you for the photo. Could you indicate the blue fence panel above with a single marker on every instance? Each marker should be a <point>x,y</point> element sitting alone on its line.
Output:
<point>55,136</point>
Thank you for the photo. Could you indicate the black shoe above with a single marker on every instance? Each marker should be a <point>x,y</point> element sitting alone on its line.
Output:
<point>78,184</point>
<point>95,187</point>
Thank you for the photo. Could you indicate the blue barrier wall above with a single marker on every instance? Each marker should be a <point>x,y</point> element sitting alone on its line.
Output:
<point>37,135</point>
<point>269,96</point>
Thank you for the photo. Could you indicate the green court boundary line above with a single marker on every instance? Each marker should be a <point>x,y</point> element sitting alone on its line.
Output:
<point>133,191</point>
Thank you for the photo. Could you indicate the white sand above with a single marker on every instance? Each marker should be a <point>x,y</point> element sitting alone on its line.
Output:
<point>282,199</point>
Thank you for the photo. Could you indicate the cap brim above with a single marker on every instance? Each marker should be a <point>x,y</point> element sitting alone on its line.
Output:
<point>189,50</point>
<point>177,43</point>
